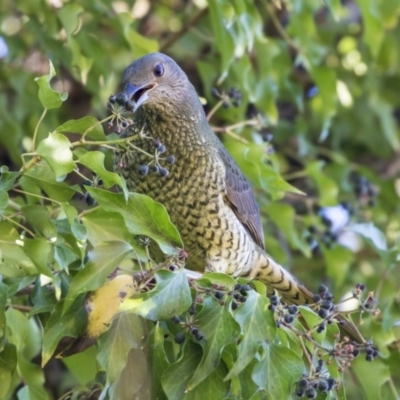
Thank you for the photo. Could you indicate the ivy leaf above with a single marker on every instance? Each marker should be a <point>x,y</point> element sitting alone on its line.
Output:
<point>79,126</point>
<point>278,370</point>
<point>47,96</point>
<point>69,324</point>
<point>327,188</point>
<point>103,304</point>
<point>94,160</point>
<point>103,260</point>
<point>55,150</point>
<point>170,297</point>
<point>219,329</point>
<point>3,199</point>
<point>8,363</point>
<point>43,177</point>
<point>258,329</point>
<point>142,215</point>
<point>176,378</point>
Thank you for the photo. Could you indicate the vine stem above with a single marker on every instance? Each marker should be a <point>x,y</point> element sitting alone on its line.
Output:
<point>37,129</point>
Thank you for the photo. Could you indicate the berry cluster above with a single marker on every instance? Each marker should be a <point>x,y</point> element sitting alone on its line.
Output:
<point>308,386</point>
<point>283,313</point>
<point>155,165</point>
<point>119,104</point>
<point>364,191</point>
<point>233,97</point>
<point>239,295</point>
<point>188,326</point>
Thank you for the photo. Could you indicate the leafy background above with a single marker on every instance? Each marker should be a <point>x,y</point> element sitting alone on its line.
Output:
<point>321,80</point>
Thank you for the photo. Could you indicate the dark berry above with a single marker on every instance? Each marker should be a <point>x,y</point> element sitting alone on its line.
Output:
<point>243,299</point>
<point>331,383</point>
<point>300,393</point>
<point>176,319</point>
<point>194,331</point>
<point>161,149</point>
<point>192,310</point>
<point>179,338</point>
<point>376,353</point>
<point>245,288</point>
<point>323,386</point>
<point>327,305</point>
<point>322,289</point>
<point>173,267</point>
<point>274,300</point>
<point>214,92</point>
<point>236,296</point>
<point>323,313</point>
<point>157,144</point>
<point>360,286</point>
<point>90,201</point>
<point>234,305</point>
<point>303,383</point>
<point>271,307</point>
<point>156,169</point>
<point>238,286</point>
<point>163,172</point>
<point>112,99</point>
<point>121,98</point>
<point>124,124</point>
<point>143,169</point>
<point>129,105</point>
<point>226,104</point>
<point>316,298</point>
<point>369,351</point>
<point>311,393</point>
<point>199,336</point>
<point>321,327</point>
<point>293,309</point>
<point>356,352</point>
<point>219,295</point>
<point>170,160</point>
<point>289,318</point>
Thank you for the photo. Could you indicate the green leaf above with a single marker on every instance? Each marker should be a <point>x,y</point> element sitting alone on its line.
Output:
<point>69,17</point>
<point>103,226</point>
<point>39,218</point>
<point>13,261</point>
<point>128,331</point>
<point>283,215</point>
<point>63,324</point>
<point>250,158</point>
<point>3,199</point>
<point>170,297</point>
<point>103,260</point>
<point>8,363</point>
<point>338,260</point>
<point>40,251</point>
<point>55,150</point>
<point>258,329</point>
<point>219,329</point>
<point>42,176</point>
<point>327,188</point>
<point>278,371</point>
<point>177,376</point>
<point>94,160</point>
<point>86,124</point>
<point>142,216</point>
<point>47,96</point>
<point>374,29</point>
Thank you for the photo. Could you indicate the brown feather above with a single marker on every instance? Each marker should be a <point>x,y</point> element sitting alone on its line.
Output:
<point>240,198</point>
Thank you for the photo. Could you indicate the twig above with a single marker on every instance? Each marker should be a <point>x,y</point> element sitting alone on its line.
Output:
<point>37,128</point>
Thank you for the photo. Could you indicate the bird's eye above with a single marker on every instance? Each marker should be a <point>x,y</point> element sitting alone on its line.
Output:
<point>158,70</point>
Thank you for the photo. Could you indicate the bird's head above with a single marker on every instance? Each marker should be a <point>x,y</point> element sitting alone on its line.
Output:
<point>156,79</point>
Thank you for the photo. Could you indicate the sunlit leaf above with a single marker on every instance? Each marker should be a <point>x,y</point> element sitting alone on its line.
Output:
<point>47,96</point>
<point>170,297</point>
<point>55,149</point>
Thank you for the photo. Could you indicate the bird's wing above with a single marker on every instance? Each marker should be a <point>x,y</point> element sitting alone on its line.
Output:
<point>241,198</point>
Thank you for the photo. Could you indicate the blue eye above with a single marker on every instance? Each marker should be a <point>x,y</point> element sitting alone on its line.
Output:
<point>158,70</point>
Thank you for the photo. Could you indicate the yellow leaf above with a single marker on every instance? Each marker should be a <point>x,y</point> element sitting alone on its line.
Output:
<point>102,304</point>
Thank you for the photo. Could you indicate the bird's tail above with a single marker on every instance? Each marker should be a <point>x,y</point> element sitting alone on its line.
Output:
<point>275,277</point>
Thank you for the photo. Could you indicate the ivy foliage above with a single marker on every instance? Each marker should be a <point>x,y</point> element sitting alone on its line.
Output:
<point>89,309</point>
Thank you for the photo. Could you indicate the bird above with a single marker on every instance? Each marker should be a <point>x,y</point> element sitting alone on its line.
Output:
<point>207,196</point>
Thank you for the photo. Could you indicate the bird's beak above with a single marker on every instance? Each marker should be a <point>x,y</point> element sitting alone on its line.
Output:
<point>138,94</point>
